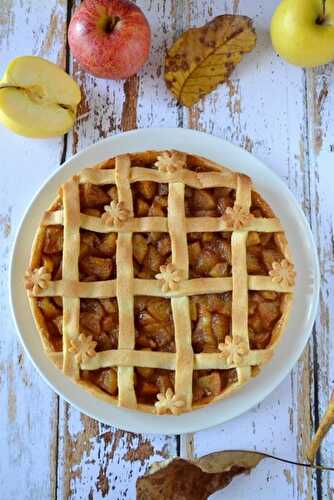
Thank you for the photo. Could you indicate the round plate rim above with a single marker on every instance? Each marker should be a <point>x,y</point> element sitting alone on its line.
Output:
<point>167,138</point>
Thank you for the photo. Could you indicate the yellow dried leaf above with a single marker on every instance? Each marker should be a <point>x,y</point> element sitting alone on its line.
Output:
<point>204,57</point>
<point>325,424</point>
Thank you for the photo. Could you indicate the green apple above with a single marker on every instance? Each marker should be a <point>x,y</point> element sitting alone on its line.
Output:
<point>37,98</point>
<point>302,31</point>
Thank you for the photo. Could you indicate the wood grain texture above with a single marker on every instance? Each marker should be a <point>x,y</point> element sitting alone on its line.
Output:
<point>281,114</point>
<point>320,99</point>
<point>28,420</point>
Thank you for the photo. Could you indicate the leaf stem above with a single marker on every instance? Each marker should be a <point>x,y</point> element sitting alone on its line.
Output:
<point>8,86</point>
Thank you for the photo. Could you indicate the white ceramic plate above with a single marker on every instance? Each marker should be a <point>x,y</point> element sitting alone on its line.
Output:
<point>300,241</point>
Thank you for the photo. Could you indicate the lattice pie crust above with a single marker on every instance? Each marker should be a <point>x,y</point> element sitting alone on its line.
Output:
<point>78,356</point>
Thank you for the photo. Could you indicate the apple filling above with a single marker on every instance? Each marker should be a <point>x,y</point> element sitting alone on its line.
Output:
<point>209,256</point>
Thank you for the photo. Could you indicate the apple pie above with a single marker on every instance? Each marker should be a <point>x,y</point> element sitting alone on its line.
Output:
<point>160,281</point>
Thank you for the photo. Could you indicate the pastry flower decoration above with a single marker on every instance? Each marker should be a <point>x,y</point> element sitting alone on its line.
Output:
<point>283,273</point>
<point>237,217</point>
<point>233,349</point>
<point>170,162</point>
<point>83,347</point>
<point>37,279</point>
<point>115,213</point>
<point>168,402</point>
<point>169,276</point>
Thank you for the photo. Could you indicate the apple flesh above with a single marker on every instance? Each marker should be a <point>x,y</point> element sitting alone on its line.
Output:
<point>109,38</point>
<point>37,98</point>
<point>302,32</point>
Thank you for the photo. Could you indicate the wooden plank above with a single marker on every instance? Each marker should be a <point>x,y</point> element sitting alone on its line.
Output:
<point>96,460</point>
<point>245,112</point>
<point>320,100</point>
<point>28,422</point>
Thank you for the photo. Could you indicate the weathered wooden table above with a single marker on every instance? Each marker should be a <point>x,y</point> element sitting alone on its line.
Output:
<point>278,112</point>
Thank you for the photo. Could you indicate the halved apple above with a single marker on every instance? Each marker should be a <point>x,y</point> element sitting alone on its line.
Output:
<point>37,98</point>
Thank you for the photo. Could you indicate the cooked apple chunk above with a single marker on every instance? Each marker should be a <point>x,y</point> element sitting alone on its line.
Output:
<point>48,308</point>
<point>53,240</point>
<point>147,189</point>
<point>92,196</point>
<point>108,244</point>
<point>202,200</point>
<point>141,208</point>
<point>211,384</point>
<point>140,247</point>
<point>107,380</point>
<point>96,266</point>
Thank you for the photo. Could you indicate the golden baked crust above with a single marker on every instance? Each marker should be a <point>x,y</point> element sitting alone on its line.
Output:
<point>177,170</point>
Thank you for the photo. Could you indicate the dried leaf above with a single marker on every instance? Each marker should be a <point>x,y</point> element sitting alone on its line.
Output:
<point>204,57</point>
<point>177,478</point>
<point>326,423</point>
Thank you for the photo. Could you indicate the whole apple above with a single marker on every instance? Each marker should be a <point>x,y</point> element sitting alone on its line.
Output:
<point>302,31</point>
<point>109,38</point>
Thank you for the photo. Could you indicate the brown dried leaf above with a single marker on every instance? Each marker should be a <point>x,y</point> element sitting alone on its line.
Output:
<point>204,57</point>
<point>177,478</point>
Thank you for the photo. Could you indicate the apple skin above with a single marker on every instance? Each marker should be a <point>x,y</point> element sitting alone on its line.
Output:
<point>107,51</point>
<point>298,38</point>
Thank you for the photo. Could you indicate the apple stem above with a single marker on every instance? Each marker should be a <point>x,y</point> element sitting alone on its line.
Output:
<point>322,18</point>
<point>110,23</point>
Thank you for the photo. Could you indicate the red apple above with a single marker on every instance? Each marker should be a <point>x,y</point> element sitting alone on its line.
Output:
<point>109,38</point>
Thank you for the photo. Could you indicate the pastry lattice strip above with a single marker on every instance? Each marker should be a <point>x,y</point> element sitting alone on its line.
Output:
<point>160,224</point>
<point>196,286</point>
<point>180,305</point>
<point>125,286</point>
<point>240,275</point>
<point>167,360</point>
